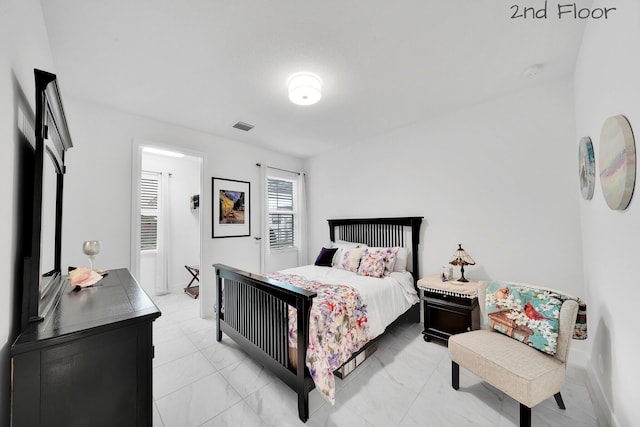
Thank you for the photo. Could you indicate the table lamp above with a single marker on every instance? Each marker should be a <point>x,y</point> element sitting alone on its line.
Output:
<point>461,258</point>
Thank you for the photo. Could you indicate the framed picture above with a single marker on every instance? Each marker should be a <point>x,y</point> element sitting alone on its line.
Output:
<point>231,208</point>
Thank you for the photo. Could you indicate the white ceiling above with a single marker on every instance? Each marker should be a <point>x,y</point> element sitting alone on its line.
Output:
<point>206,64</point>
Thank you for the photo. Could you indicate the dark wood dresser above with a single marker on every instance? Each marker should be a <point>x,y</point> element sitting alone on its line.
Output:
<point>89,363</point>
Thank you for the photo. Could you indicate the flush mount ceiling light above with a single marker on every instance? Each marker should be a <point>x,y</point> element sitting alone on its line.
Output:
<point>304,88</point>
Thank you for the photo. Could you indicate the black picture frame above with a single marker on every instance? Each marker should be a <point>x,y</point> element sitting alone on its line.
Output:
<point>231,208</point>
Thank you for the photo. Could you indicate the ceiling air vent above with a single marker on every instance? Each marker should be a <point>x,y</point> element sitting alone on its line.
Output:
<point>243,126</point>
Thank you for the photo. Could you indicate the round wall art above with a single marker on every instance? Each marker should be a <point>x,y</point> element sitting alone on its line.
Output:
<point>587,167</point>
<point>617,162</point>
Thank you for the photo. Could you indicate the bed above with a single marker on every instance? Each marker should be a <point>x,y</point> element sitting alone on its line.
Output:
<point>270,319</point>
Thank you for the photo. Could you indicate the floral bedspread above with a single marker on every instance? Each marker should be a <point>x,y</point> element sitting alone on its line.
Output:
<point>337,328</point>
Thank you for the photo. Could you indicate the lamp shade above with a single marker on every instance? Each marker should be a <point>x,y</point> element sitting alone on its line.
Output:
<point>461,258</point>
<point>304,88</point>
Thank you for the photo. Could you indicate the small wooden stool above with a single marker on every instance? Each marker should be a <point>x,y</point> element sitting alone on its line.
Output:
<point>193,291</point>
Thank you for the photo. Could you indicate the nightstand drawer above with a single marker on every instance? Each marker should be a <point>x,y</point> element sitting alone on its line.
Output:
<point>435,298</point>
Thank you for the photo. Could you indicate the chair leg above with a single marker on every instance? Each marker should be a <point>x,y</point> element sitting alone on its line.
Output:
<point>525,416</point>
<point>455,375</point>
<point>559,400</point>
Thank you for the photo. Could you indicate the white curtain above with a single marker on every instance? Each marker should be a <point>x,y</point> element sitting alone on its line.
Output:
<point>302,219</point>
<point>164,244</point>
<point>264,222</point>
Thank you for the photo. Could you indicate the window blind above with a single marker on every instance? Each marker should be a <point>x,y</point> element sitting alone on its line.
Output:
<point>282,213</point>
<point>149,212</point>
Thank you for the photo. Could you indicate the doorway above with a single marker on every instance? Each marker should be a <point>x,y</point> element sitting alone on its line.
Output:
<point>166,218</point>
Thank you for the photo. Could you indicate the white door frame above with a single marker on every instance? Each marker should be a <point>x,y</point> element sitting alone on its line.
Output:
<point>136,156</point>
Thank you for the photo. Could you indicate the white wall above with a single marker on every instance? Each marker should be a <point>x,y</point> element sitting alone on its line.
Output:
<point>98,186</point>
<point>23,46</point>
<point>606,84</point>
<point>500,178</point>
<point>184,235</point>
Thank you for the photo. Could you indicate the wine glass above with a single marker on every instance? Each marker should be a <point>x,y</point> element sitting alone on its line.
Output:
<point>91,248</point>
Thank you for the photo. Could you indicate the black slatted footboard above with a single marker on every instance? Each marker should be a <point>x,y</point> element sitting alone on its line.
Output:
<point>254,313</point>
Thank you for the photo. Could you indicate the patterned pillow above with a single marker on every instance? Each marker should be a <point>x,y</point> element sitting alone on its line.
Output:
<point>349,259</point>
<point>390,255</point>
<point>372,264</point>
<point>526,314</point>
<point>341,245</point>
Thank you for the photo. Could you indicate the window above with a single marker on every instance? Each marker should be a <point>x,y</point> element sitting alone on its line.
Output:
<point>149,211</point>
<point>281,194</point>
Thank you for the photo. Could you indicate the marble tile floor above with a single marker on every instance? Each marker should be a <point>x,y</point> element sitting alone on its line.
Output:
<point>407,382</point>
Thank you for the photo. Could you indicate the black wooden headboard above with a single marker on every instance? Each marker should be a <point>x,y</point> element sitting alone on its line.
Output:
<point>380,232</point>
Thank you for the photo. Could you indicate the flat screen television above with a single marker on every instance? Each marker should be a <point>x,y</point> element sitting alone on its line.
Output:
<point>42,273</point>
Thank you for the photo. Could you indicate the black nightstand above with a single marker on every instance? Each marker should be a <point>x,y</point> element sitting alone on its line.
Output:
<point>449,307</point>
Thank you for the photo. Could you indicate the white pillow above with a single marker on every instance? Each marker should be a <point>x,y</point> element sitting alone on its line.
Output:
<point>344,243</point>
<point>349,259</point>
<point>402,259</point>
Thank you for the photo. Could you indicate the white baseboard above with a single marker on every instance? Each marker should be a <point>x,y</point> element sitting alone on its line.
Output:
<point>601,406</point>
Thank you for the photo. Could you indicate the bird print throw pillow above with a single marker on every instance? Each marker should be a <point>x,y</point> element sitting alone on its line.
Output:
<point>526,314</point>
